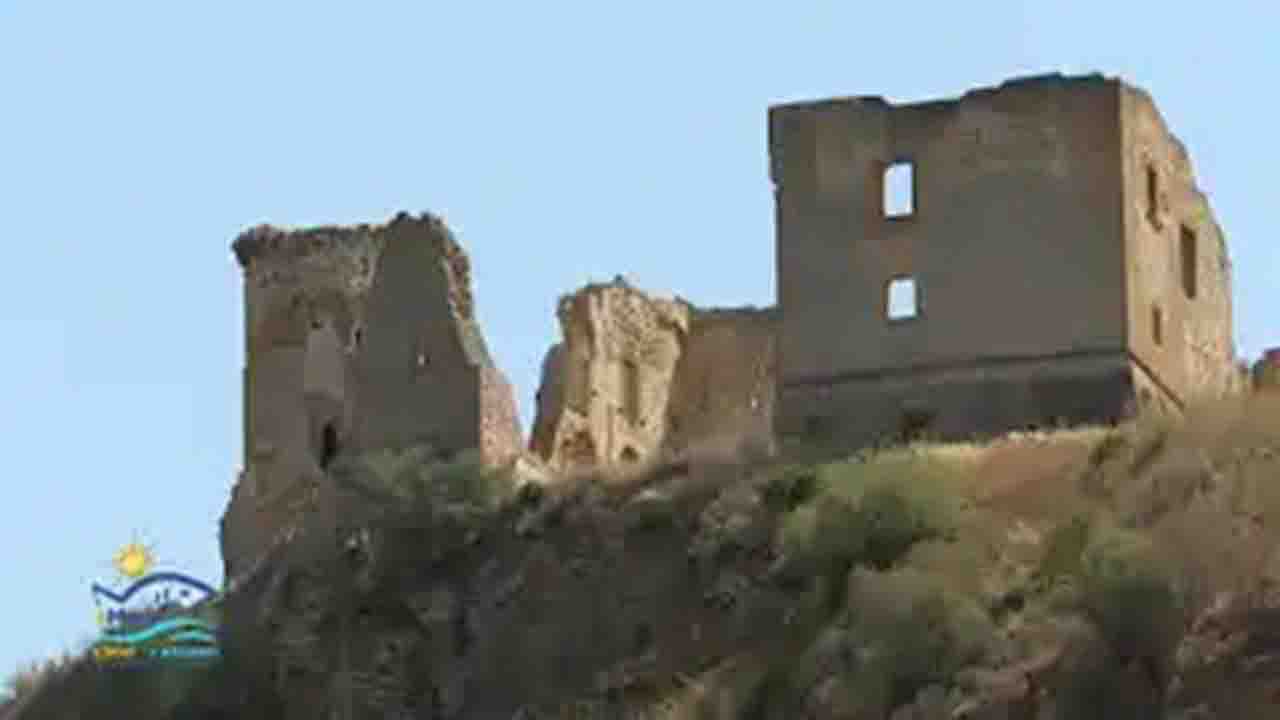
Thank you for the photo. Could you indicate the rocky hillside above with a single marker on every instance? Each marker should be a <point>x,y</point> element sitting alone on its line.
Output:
<point>1091,573</point>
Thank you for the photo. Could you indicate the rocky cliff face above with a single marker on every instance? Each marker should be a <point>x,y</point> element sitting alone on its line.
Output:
<point>460,612</point>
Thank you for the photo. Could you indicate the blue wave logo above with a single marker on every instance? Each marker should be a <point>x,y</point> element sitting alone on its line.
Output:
<point>175,629</point>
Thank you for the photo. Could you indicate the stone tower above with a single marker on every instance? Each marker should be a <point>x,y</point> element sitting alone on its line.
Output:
<point>1025,254</point>
<point>356,338</point>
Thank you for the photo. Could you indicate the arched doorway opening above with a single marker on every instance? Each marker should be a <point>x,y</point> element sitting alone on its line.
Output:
<point>329,445</point>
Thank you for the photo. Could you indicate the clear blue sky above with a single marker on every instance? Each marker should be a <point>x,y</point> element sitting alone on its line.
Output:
<point>563,142</point>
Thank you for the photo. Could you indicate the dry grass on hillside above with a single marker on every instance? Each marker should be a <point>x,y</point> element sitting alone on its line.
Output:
<point>1126,534</point>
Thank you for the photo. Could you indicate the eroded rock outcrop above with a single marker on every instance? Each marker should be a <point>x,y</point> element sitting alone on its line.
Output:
<point>447,609</point>
<point>637,378</point>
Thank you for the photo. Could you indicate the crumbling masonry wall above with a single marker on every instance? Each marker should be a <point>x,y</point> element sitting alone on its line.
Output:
<point>357,338</point>
<point>549,404</point>
<point>640,378</point>
<point>425,374</point>
<point>605,388</point>
<point>1177,263</point>
<point>1032,283</point>
<point>723,388</point>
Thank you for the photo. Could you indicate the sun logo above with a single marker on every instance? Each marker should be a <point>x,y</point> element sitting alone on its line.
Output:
<point>134,560</point>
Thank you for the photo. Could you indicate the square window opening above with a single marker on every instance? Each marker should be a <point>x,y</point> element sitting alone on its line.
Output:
<point>903,301</point>
<point>899,184</point>
<point>1187,251</point>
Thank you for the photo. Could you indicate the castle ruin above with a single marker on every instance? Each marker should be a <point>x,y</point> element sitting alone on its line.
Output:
<point>1026,255</point>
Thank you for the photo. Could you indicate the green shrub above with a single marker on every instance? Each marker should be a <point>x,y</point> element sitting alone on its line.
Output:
<point>865,514</point>
<point>798,533</point>
<point>1123,585</point>
<point>414,477</point>
<point>966,561</point>
<point>891,522</point>
<point>790,486</point>
<point>1064,550</point>
<point>914,632</point>
<point>465,479</point>
<point>386,473</point>
<point>1129,595</point>
<point>1093,682</point>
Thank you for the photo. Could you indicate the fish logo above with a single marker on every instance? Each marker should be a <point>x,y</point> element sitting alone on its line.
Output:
<point>149,597</point>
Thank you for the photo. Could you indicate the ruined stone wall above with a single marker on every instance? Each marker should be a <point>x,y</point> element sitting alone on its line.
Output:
<point>1014,244</point>
<point>1014,240</point>
<point>724,383</point>
<point>304,305</point>
<point>615,370</point>
<point>1179,293</point>
<point>238,536</point>
<point>959,402</point>
<point>419,374</point>
<point>1151,395</point>
<point>500,436</point>
<point>252,530</point>
<point>548,402</point>
<point>704,376</point>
